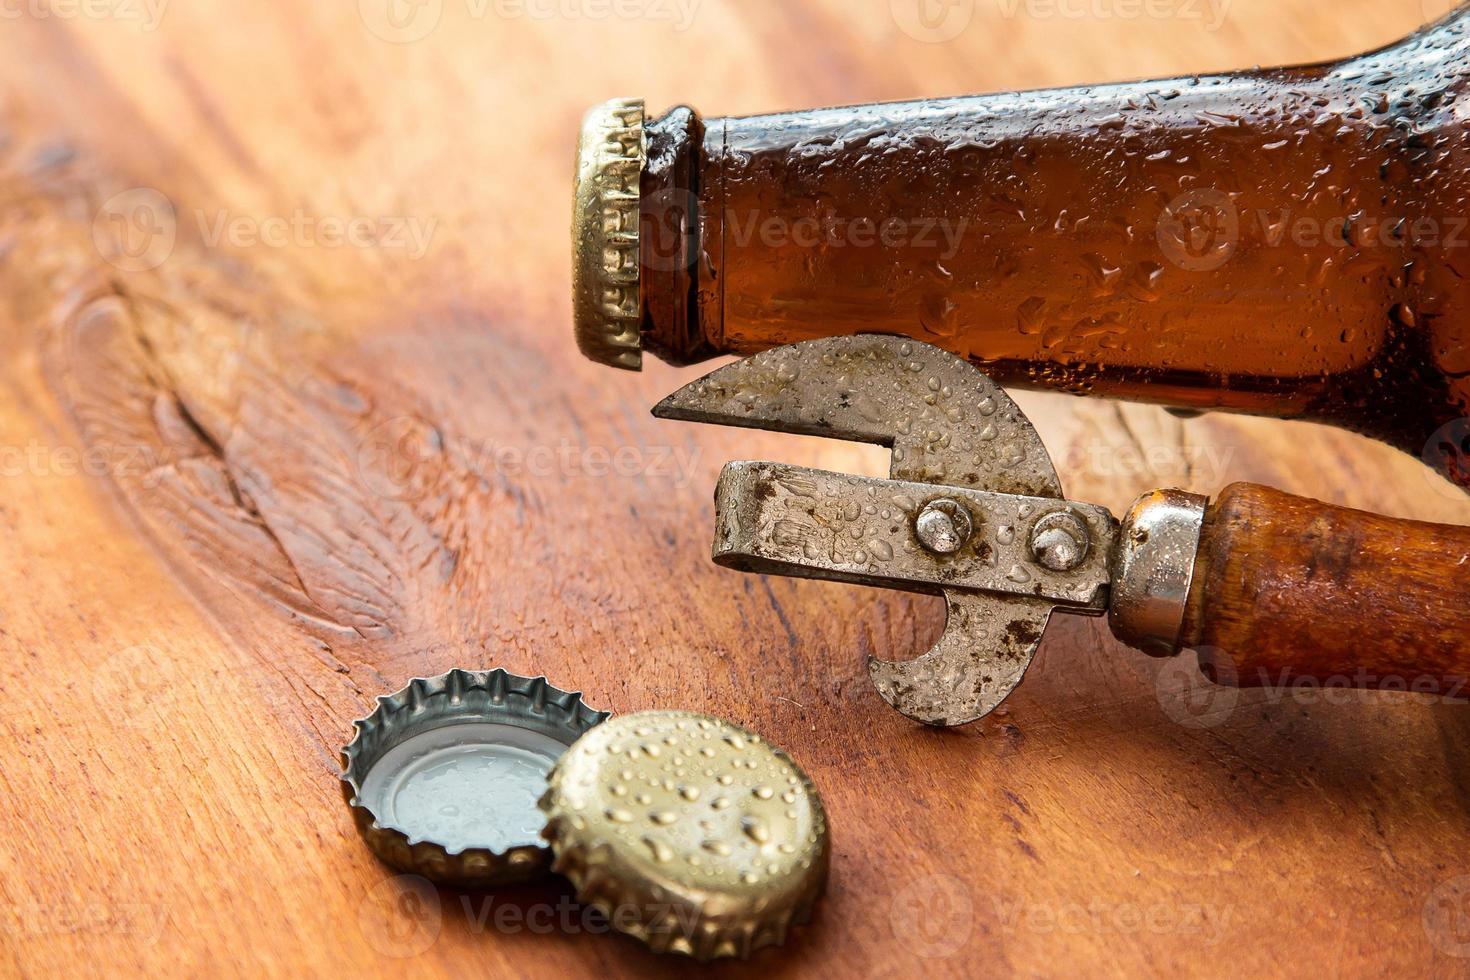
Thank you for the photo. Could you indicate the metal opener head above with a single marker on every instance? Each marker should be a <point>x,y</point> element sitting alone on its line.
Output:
<point>973,509</point>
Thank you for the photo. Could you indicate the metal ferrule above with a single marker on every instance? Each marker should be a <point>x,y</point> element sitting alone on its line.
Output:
<point>1153,570</point>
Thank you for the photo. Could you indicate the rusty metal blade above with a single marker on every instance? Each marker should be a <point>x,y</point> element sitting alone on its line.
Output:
<point>949,427</point>
<point>946,422</point>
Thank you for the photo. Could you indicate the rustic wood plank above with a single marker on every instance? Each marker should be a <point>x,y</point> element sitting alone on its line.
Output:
<point>254,486</point>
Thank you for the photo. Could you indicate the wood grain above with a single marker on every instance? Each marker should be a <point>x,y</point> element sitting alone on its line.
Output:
<point>1290,591</point>
<point>257,472</point>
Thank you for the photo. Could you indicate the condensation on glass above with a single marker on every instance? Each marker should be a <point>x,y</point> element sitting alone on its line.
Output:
<point>1291,242</point>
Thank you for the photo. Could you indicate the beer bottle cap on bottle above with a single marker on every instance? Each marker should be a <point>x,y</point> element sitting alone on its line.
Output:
<point>605,215</point>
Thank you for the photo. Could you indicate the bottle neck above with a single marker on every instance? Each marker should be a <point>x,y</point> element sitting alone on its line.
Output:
<point>1264,241</point>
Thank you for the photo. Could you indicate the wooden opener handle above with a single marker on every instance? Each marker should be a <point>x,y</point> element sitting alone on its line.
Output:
<point>1287,588</point>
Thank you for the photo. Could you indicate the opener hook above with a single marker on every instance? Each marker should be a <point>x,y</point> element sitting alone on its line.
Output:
<point>973,510</point>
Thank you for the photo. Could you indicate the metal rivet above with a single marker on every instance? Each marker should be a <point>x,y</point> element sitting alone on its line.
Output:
<point>1060,541</point>
<point>944,526</point>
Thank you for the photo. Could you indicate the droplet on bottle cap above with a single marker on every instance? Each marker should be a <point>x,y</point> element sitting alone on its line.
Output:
<point>719,862</point>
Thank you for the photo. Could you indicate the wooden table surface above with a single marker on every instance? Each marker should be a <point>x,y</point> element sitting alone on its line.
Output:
<point>291,413</point>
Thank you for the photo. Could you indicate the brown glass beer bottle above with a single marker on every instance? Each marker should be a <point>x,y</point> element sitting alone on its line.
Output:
<point>1291,242</point>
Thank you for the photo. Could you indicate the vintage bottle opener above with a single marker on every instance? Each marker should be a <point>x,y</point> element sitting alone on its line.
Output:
<point>1269,587</point>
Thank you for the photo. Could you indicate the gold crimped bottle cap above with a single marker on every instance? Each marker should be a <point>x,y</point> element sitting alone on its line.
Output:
<point>690,833</point>
<point>444,777</point>
<point>606,307</point>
